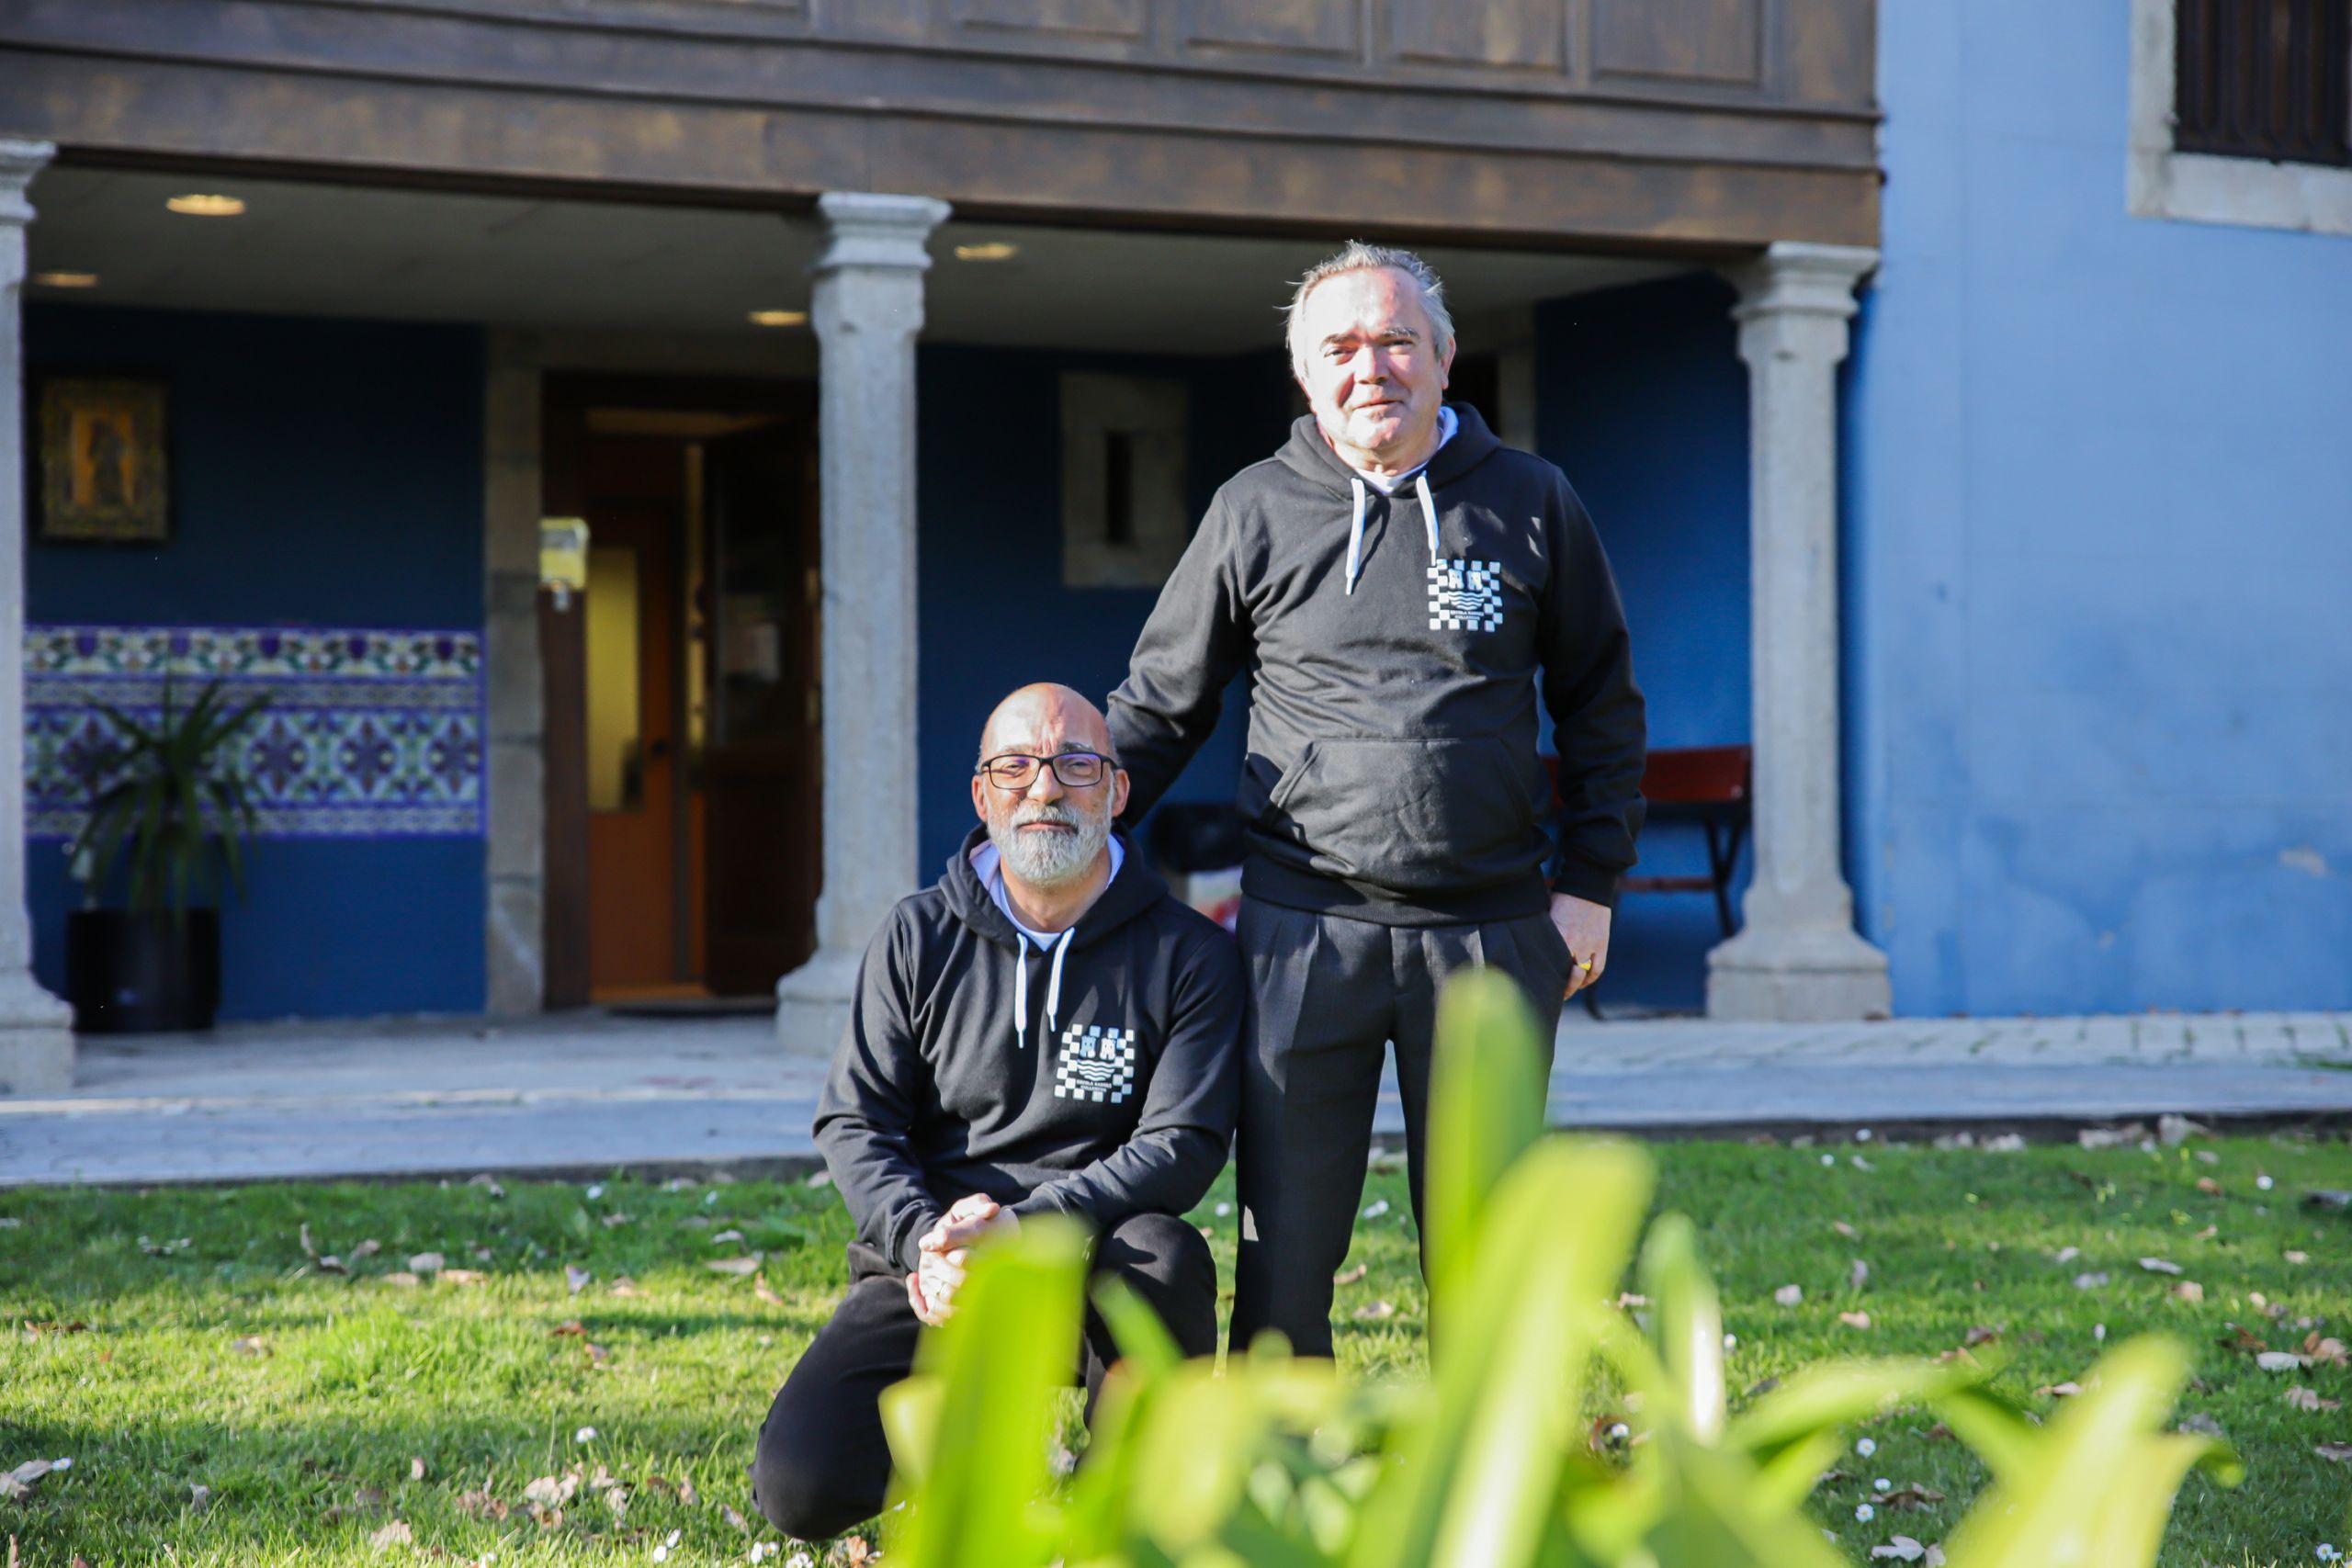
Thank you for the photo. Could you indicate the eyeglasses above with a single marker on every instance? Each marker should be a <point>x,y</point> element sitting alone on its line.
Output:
<point>1076,769</point>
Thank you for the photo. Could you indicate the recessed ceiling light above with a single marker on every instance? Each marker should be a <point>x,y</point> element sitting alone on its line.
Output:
<point>66,279</point>
<point>196,204</point>
<point>779,318</point>
<point>993,250</point>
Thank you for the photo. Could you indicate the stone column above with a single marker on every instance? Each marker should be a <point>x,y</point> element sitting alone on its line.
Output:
<point>515,742</point>
<point>867,309</point>
<point>36,1038</point>
<point>1796,956</point>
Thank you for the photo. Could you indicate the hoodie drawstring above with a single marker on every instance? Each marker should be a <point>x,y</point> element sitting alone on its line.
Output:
<point>1355,535</point>
<point>1021,986</point>
<point>1355,526</point>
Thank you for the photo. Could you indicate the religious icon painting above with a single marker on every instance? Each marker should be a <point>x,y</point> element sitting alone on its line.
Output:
<point>102,462</point>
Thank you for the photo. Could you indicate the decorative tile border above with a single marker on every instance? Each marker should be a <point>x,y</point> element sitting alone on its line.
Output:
<point>368,734</point>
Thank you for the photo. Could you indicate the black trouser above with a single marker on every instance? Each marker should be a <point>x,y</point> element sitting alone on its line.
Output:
<point>1326,994</point>
<point>824,1464</point>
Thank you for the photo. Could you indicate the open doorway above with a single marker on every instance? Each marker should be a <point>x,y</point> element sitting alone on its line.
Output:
<point>682,725</point>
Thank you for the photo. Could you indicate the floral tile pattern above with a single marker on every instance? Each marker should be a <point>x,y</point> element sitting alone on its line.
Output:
<point>366,734</point>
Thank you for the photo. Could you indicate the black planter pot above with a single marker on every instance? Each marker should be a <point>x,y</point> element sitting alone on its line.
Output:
<point>129,971</point>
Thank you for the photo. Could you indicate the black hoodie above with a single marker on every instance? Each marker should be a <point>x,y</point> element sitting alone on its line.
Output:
<point>1391,772</point>
<point>1109,1094</point>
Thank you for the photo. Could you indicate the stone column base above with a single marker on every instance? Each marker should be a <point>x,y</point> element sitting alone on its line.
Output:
<point>812,1003</point>
<point>1808,975</point>
<point>36,1038</point>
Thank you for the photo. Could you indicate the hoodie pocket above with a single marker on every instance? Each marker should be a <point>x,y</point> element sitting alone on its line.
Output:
<point>1419,816</point>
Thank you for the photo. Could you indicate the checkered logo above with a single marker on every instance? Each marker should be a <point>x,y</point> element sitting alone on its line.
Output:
<point>1095,1064</point>
<point>1465,596</point>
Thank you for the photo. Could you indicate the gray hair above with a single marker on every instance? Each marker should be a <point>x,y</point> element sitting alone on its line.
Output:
<point>1357,255</point>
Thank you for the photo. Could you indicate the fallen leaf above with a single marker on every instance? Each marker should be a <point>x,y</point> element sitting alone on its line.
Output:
<point>1902,1547</point>
<point>1855,1319</point>
<point>596,1353</point>
<point>576,1278</point>
<point>614,1222</point>
<point>2340,1452</point>
<point>2291,1256</point>
<point>462,1277</point>
<point>2061,1389</point>
<point>1842,1228</point>
<point>416,1467</point>
<point>397,1533</point>
<point>738,1266</point>
<point>404,1279</point>
<point>1912,1495</point>
<point>199,1496</point>
<point>484,1179</point>
<point>856,1553</point>
<point>566,1330</point>
<point>2233,1338</point>
<point>545,1516</point>
<point>2189,1290</point>
<point>1375,1309</point>
<point>721,1237</point>
<point>2067,1255</point>
<point>331,1264</point>
<point>2330,1351</point>
<point>1351,1276</point>
<point>302,1234</point>
<point>249,1345</point>
<point>2278,1360</point>
<point>624,1286</point>
<point>2311,1399</point>
<point>426,1263</point>
<point>2208,1185</point>
<point>2159,1266</point>
<point>2203,1425</point>
<point>1857,1274</point>
<point>367,1248</point>
<point>552,1490</point>
<point>2090,1282</point>
<point>1788,1295</point>
<point>481,1506</point>
<point>766,1292</point>
<point>34,1329</point>
<point>1979,1333</point>
<point>734,1517</point>
<point>2325,1198</point>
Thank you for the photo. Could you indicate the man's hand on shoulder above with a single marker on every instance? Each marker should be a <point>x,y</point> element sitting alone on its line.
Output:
<point>946,1249</point>
<point>1584,926</point>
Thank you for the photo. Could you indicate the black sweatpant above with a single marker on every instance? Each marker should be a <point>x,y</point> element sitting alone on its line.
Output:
<point>822,1463</point>
<point>1326,994</point>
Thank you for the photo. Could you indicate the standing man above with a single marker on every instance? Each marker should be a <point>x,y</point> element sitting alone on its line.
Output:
<point>1394,579</point>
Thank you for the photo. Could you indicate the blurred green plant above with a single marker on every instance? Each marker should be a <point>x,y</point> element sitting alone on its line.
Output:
<point>1283,1463</point>
<point>163,806</point>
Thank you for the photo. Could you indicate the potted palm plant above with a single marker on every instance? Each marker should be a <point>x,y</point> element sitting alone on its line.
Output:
<point>168,816</point>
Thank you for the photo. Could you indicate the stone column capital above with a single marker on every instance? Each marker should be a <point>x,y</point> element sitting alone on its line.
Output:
<point>1794,278</point>
<point>869,229</point>
<point>20,162</point>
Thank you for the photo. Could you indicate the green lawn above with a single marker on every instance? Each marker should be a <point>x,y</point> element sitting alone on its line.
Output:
<point>185,1338</point>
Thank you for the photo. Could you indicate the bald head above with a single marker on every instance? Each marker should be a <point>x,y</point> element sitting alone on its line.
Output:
<point>1044,720</point>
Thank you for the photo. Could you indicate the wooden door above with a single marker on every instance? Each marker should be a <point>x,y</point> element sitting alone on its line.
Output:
<point>630,631</point>
<point>760,764</point>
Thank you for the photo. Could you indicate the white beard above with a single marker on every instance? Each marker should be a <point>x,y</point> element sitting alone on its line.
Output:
<point>1049,859</point>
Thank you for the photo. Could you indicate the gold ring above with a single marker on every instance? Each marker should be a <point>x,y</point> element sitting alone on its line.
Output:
<point>1584,962</point>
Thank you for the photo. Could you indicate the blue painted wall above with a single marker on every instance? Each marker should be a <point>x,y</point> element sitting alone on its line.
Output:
<point>2099,539</point>
<point>993,614</point>
<point>323,473</point>
<point>1642,400</point>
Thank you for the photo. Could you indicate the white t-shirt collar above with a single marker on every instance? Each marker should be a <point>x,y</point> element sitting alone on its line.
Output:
<point>988,865</point>
<point>1448,422</point>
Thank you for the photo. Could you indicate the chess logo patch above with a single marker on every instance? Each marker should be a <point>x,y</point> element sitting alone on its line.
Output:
<point>1465,596</point>
<point>1095,1064</point>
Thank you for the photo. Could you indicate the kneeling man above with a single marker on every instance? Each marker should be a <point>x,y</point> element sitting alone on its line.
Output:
<point>1046,1031</point>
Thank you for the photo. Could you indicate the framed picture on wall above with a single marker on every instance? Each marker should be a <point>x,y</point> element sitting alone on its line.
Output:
<point>102,463</point>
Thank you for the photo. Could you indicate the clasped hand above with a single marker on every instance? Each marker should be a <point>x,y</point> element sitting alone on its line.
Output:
<point>946,1248</point>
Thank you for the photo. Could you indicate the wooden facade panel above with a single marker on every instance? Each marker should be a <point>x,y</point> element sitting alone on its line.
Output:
<point>1682,40</point>
<point>1276,27</point>
<point>1523,34</point>
<point>1269,97</point>
<point>1118,19</point>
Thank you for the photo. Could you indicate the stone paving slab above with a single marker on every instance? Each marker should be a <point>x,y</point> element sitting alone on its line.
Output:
<point>587,1094</point>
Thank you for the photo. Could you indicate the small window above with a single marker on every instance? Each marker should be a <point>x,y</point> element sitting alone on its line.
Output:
<point>1123,517</point>
<point>2263,79</point>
